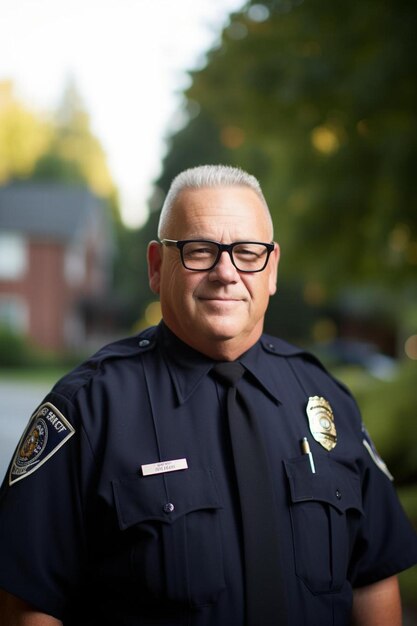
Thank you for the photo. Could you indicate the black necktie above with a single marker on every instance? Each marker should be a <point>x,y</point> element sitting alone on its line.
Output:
<point>265,599</point>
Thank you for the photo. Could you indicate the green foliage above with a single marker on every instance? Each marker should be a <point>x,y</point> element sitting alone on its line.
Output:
<point>318,101</point>
<point>14,349</point>
<point>18,357</point>
<point>52,167</point>
<point>408,586</point>
<point>62,149</point>
<point>389,412</point>
<point>130,272</point>
<point>24,136</point>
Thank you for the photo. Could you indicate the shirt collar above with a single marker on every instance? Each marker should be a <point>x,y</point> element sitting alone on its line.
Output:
<point>255,362</point>
<point>188,367</point>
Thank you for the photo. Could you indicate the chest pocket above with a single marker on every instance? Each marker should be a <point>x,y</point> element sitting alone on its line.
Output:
<point>175,540</point>
<point>325,511</point>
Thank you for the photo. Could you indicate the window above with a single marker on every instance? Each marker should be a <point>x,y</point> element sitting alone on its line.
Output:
<point>75,265</point>
<point>13,313</point>
<point>13,256</point>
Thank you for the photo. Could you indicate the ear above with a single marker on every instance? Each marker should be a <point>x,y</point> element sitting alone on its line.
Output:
<point>273,269</point>
<point>154,257</point>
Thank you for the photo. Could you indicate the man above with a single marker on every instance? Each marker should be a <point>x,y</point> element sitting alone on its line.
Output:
<point>130,509</point>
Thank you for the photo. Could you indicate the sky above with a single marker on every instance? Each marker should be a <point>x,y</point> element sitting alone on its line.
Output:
<point>129,61</point>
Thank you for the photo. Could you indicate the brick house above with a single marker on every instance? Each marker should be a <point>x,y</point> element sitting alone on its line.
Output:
<point>55,261</point>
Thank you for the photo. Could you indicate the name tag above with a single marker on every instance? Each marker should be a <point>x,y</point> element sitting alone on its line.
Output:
<point>164,466</point>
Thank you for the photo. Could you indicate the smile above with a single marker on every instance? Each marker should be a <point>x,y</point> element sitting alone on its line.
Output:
<point>225,300</point>
<point>220,304</point>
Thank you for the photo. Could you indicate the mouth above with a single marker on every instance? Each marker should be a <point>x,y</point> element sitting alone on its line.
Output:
<point>219,301</point>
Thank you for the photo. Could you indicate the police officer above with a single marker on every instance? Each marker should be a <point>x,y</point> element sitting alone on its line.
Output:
<point>123,506</point>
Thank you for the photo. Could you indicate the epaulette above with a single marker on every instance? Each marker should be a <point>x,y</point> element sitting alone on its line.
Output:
<point>121,349</point>
<point>279,347</point>
<point>273,345</point>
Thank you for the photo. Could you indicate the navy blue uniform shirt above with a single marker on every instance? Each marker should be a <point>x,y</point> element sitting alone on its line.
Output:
<point>81,523</point>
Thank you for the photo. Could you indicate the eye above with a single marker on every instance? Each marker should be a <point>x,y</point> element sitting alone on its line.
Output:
<point>199,250</point>
<point>249,252</point>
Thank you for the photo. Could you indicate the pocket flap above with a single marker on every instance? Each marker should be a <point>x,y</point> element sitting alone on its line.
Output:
<point>332,483</point>
<point>164,498</point>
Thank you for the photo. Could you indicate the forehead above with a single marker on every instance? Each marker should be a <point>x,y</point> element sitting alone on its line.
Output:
<point>221,213</point>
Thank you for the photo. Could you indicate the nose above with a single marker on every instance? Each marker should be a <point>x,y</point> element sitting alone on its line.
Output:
<point>224,271</point>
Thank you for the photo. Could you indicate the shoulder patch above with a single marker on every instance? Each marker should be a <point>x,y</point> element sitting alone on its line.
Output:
<point>46,432</point>
<point>373,453</point>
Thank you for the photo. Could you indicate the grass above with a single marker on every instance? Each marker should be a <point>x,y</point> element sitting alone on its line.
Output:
<point>41,375</point>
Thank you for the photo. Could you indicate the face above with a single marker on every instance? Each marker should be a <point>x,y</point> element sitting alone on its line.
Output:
<point>218,312</point>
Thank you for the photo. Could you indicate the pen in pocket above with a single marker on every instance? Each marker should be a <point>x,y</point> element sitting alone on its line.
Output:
<point>305,447</point>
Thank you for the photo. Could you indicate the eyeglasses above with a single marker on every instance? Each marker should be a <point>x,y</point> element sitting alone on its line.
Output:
<point>200,255</point>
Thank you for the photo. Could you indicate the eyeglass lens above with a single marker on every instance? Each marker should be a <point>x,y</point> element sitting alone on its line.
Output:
<point>247,257</point>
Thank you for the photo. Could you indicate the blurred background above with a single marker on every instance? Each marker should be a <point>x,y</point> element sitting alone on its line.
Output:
<point>103,103</point>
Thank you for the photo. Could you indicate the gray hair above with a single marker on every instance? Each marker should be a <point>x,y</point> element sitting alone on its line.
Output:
<point>207,176</point>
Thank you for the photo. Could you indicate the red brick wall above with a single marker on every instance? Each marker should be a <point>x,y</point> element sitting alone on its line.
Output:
<point>45,292</point>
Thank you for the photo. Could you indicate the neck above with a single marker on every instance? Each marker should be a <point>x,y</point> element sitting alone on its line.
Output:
<point>220,349</point>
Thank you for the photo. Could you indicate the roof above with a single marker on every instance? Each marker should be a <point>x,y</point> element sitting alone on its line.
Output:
<point>47,209</point>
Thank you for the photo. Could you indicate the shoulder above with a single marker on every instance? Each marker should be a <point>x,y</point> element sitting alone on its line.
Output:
<point>304,363</point>
<point>113,356</point>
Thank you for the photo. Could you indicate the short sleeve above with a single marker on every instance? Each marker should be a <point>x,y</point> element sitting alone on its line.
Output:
<point>42,529</point>
<point>387,542</point>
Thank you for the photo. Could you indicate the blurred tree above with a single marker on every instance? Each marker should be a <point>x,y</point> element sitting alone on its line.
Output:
<point>130,274</point>
<point>74,153</point>
<point>60,147</point>
<point>24,135</point>
<point>318,100</point>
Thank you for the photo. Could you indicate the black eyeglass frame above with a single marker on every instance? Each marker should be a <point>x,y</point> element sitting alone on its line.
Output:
<point>221,247</point>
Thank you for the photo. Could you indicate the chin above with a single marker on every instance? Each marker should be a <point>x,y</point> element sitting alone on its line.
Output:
<point>223,330</point>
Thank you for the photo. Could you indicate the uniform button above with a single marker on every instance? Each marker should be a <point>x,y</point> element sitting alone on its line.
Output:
<point>271,346</point>
<point>338,494</point>
<point>168,507</point>
<point>143,343</point>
